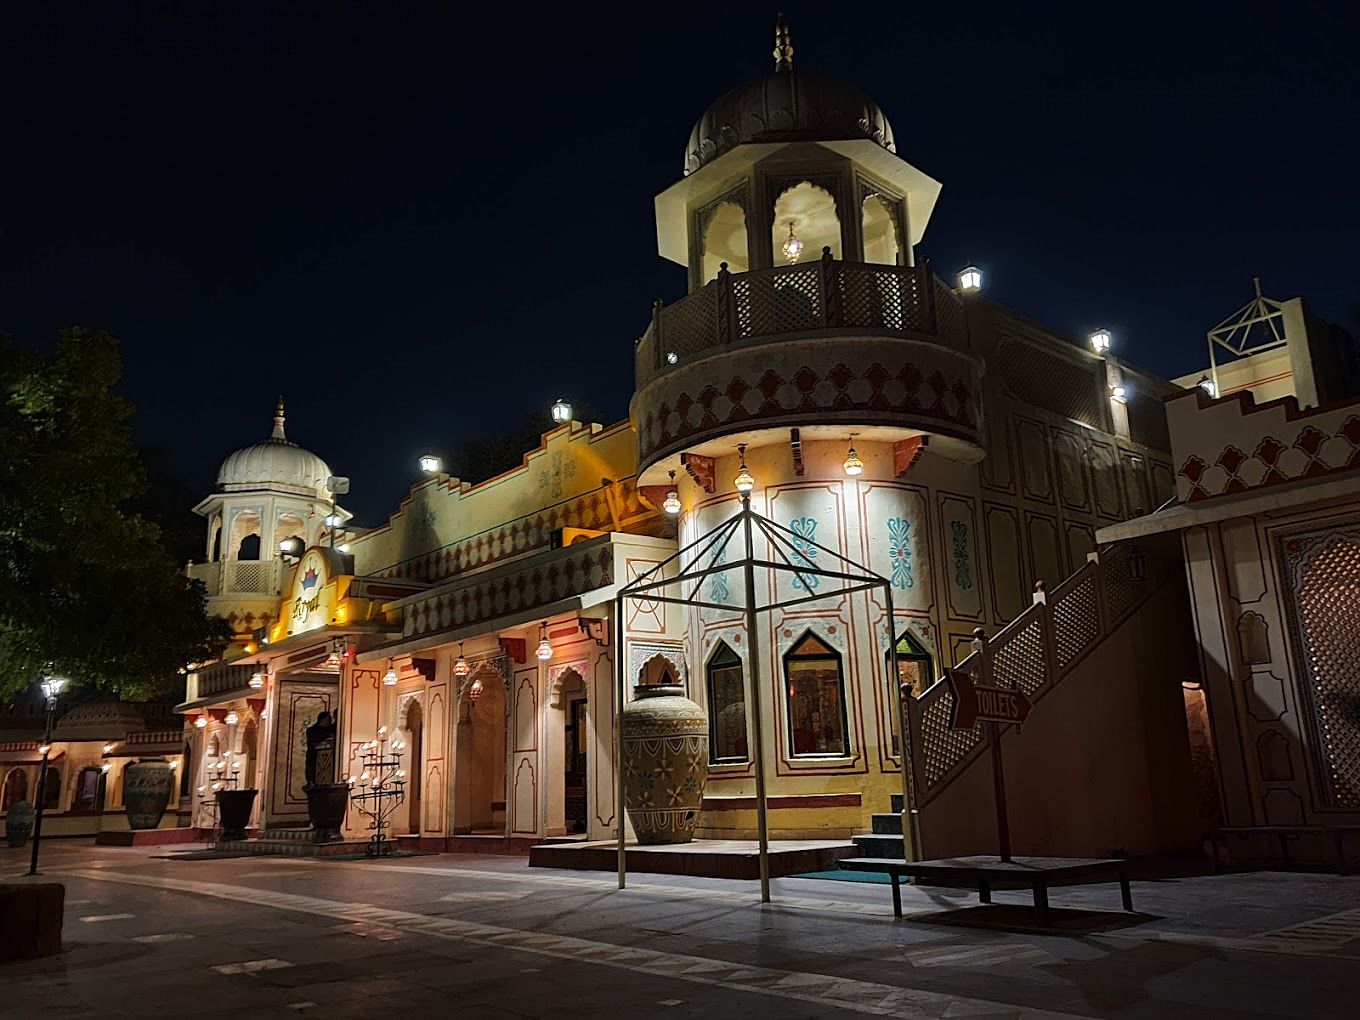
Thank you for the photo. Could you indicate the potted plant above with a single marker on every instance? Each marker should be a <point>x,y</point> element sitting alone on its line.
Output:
<point>19,823</point>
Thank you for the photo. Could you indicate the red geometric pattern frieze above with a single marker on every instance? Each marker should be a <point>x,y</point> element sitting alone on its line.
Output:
<point>905,388</point>
<point>1309,453</point>
<point>536,585</point>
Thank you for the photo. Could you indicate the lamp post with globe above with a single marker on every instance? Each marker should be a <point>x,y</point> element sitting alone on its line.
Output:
<point>51,687</point>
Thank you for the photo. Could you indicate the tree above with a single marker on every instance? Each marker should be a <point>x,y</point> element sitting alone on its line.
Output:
<point>86,584</point>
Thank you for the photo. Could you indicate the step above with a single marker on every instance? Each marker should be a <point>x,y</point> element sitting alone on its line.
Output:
<point>879,845</point>
<point>294,848</point>
<point>886,825</point>
<point>291,834</point>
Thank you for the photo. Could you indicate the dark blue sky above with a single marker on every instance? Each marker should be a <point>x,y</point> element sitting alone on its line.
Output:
<point>420,224</point>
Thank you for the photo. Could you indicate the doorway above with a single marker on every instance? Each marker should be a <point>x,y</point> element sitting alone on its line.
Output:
<point>413,724</point>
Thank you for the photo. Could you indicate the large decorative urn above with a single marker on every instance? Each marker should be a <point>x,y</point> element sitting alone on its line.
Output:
<point>665,763</point>
<point>326,804</point>
<point>18,823</point>
<point>147,786</point>
<point>233,812</point>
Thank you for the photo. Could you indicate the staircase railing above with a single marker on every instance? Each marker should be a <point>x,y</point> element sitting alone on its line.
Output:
<point>1036,650</point>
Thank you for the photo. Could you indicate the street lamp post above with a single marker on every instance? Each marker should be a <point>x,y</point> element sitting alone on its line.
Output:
<point>51,688</point>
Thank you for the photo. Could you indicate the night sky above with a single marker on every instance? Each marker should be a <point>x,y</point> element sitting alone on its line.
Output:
<point>420,224</point>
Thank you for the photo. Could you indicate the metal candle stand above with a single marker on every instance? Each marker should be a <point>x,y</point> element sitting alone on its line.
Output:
<point>222,775</point>
<point>382,788</point>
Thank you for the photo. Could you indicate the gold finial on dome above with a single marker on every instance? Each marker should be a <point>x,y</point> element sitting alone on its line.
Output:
<point>783,45</point>
<point>278,420</point>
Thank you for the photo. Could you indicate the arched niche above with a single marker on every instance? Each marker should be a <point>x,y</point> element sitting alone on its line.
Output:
<point>882,242</point>
<point>659,669</point>
<point>725,240</point>
<point>810,211</point>
<point>289,524</point>
<point>244,541</point>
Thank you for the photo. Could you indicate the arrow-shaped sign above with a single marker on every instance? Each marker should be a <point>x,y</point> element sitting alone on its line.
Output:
<point>990,704</point>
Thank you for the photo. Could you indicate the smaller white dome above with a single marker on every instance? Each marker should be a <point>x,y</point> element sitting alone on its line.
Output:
<point>276,464</point>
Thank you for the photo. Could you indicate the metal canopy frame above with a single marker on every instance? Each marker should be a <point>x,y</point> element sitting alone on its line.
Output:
<point>703,558</point>
<point>1256,327</point>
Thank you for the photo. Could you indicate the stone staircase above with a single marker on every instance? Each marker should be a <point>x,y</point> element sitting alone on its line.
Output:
<point>885,836</point>
<point>295,843</point>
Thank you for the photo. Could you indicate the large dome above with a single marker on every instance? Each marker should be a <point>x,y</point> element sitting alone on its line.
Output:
<point>276,464</point>
<point>786,107</point>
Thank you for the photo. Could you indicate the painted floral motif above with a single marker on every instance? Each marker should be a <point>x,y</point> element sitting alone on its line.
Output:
<point>899,552</point>
<point>718,590</point>
<point>963,573</point>
<point>804,551</point>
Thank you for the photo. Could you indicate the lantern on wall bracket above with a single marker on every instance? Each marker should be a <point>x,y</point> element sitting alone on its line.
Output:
<point>792,247</point>
<point>745,481</point>
<point>430,464</point>
<point>671,504</point>
<point>1137,564</point>
<point>232,718</point>
<point>1119,394</point>
<point>1208,385</point>
<point>1100,341</point>
<point>475,691</point>
<point>970,279</point>
<point>201,723</point>
<point>460,666</point>
<point>390,677</point>
<point>545,651</point>
<point>561,411</point>
<point>256,680</point>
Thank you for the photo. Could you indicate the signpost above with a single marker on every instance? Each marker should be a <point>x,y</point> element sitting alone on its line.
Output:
<point>997,707</point>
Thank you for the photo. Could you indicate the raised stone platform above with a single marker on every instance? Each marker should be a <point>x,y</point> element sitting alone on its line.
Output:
<point>296,843</point>
<point>152,837</point>
<point>702,858</point>
<point>480,843</point>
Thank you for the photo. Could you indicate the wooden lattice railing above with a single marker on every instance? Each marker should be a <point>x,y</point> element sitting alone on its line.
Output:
<point>1035,651</point>
<point>736,308</point>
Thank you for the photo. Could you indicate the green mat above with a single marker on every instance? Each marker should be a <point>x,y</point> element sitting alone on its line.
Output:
<point>837,875</point>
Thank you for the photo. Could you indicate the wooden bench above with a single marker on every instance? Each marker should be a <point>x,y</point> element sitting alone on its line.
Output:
<point>1286,833</point>
<point>991,872</point>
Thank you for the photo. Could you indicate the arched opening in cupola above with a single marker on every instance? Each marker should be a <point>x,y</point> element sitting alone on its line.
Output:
<point>882,243</point>
<point>725,240</point>
<point>806,214</point>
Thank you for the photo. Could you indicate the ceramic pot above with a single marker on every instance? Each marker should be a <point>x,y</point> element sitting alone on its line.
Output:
<point>665,763</point>
<point>326,804</point>
<point>233,812</point>
<point>18,823</point>
<point>147,786</point>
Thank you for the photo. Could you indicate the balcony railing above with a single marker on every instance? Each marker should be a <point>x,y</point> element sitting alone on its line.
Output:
<point>239,577</point>
<point>824,295</point>
<point>218,679</point>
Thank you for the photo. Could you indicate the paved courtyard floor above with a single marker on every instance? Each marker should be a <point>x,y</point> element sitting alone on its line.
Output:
<point>150,934</point>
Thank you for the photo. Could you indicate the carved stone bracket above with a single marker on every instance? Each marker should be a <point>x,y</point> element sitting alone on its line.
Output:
<point>595,629</point>
<point>906,452</point>
<point>702,470</point>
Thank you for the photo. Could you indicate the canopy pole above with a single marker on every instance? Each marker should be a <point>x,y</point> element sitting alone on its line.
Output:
<point>757,726</point>
<point>619,666</point>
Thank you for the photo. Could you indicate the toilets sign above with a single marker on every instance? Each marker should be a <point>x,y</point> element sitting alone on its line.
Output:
<point>974,702</point>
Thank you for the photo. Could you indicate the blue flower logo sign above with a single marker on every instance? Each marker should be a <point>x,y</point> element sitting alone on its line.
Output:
<point>805,528</point>
<point>717,586</point>
<point>899,552</point>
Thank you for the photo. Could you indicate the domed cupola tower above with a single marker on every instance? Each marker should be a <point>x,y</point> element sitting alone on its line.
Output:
<point>268,493</point>
<point>797,220</point>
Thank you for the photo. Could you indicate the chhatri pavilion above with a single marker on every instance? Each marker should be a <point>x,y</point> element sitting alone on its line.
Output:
<point>990,471</point>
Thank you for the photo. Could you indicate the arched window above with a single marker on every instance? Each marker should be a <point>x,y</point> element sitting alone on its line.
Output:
<point>881,241</point>
<point>726,707</point>
<point>814,691</point>
<point>809,212</point>
<point>289,525</point>
<point>89,790</point>
<point>52,787</point>
<point>184,771</point>
<point>725,241</point>
<point>249,549</point>
<point>915,671</point>
<point>15,788</point>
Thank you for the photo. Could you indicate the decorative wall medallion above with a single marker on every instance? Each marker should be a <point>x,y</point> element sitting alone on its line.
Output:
<point>899,552</point>
<point>963,573</point>
<point>805,528</point>
<point>718,589</point>
<point>552,476</point>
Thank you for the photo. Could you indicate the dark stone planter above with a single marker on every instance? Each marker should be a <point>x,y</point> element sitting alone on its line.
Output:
<point>18,823</point>
<point>147,785</point>
<point>326,804</point>
<point>233,811</point>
